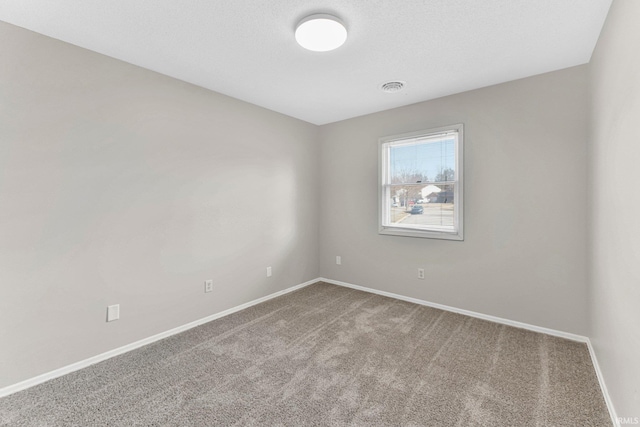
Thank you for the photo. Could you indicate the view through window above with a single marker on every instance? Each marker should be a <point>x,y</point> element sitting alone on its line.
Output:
<point>421,184</point>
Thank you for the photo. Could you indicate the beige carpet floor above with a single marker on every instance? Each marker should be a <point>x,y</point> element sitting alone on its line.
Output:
<point>327,355</point>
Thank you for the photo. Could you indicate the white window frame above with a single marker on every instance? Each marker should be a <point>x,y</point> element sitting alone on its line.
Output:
<point>384,186</point>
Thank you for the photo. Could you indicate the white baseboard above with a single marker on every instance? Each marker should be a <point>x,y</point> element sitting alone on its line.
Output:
<point>5,391</point>
<point>534,328</point>
<point>603,386</point>
<point>488,317</point>
<point>109,354</point>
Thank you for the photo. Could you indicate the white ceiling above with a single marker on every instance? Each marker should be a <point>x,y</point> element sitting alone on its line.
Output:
<point>246,48</point>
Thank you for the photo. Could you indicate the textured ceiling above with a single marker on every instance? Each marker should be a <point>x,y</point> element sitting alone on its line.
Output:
<point>246,49</point>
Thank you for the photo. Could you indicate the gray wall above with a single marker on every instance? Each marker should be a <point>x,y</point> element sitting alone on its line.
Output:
<point>524,254</point>
<point>122,186</point>
<point>614,153</point>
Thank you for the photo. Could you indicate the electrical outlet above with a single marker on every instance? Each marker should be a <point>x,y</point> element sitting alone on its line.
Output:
<point>113,312</point>
<point>269,272</point>
<point>208,285</point>
<point>339,260</point>
<point>421,273</point>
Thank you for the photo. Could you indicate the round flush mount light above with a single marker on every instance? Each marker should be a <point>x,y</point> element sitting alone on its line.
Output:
<point>392,87</point>
<point>321,33</point>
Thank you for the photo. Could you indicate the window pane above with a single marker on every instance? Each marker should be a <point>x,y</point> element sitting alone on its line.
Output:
<point>417,206</point>
<point>422,161</point>
<point>421,185</point>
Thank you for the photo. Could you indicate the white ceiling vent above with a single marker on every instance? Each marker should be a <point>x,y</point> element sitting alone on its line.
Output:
<point>391,87</point>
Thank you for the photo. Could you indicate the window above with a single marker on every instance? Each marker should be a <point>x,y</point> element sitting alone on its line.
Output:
<point>421,184</point>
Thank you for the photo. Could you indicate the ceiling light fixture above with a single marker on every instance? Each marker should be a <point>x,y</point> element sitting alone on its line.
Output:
<point>321,33</point>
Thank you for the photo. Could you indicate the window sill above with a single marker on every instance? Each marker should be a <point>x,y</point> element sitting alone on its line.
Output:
<point>424,234</point>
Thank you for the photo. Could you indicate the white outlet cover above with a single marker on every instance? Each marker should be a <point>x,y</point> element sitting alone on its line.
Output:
<point>208,285</point>
<point>339,260</point>
<point>421,273</point>
<point>269,272</point>
<point>113,312</point>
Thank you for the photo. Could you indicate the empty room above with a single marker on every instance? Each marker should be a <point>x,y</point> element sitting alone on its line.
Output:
<point>389,213</point>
